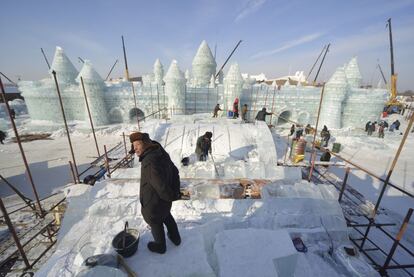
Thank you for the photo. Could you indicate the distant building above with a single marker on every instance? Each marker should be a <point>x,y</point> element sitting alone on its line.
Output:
<point>12,92</point>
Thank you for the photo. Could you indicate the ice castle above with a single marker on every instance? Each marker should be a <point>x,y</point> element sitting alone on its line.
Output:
<point>345,103</point>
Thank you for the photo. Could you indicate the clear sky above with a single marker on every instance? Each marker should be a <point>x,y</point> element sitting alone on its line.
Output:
<point>279,37</point>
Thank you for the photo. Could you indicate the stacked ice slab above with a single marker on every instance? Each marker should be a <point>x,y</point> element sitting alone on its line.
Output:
<point>345,103</point>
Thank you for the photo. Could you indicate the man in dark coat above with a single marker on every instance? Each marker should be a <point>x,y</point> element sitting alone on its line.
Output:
<point>397,124</point>
<point>155,190</point>
<point>325,135</point>
<point>203,146</point>
<point>216,110</point>
<point>261,115</point>
<point>2,136</point>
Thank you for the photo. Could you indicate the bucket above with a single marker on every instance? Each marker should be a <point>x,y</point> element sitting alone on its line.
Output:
<point>230,114</point>
<point>336,147</point>
<point>126,242</point>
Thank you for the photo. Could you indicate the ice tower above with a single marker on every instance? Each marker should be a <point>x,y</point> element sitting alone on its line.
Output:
<point>233,85</point>
<point>175,88</point>
<point>352,73</point>
<point>94,88</point>
<point>204,65</point>
<point>65,71</point>
<point>335,91</point>
<point>158,73</point>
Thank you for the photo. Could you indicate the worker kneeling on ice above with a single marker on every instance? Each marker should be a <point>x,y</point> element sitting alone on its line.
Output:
<point>159,186</point>
<point>203,146</point>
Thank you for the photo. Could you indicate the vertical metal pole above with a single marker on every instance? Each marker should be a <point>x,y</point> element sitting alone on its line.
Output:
<point>344,184</point>
<point>312,160</point>
<point>73,172</point>
<point>66,125</point>
<point>208,98</point>
<point>195,100</point>
<point>384,187</point>
<point>158,101</point>
<point>29,174</point>
<point>14,234</point>
<point>185,98</point>
<point>255,103</point>
<point>126,151</point>
<point>107,162</point>
<point>165,108</point>
<point>400,234</point>
<point>267,93</point>
<point>44,56</point>
<point>152,104</point>
<point>273,103</point>
<point>90,117</point>
<point>135,104</point>
<point>125,59</point>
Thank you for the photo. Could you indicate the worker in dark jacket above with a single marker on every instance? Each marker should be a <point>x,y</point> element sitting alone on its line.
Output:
<point>367,126</point>
<point>155,190</point>
<point>325,135</point>
<point>2,136</point>
<point>261,115</point>
<point>216,110</point>
<point>292,130</point>
<point>236,108</point>
<point>308,129</point>
<point>203,146</point>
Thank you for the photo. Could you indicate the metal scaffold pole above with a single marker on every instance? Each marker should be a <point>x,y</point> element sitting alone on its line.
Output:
<point>29,174</point>
<point>66,125</point>
<point>90,117</point>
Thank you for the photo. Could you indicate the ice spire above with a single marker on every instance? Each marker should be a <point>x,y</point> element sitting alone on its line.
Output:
<point>212,81</point>
<point>158,72</point>
<point>233,85</point>
<point>65,71</point>
<point>88,73</point>
<point>204,65</point>
<point>175,88</point>
<point>352,73</point>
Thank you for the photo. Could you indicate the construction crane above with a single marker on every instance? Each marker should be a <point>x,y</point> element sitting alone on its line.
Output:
<point>393,98</point>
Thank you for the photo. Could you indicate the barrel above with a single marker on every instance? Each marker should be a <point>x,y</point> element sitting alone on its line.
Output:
<point>336,147</point>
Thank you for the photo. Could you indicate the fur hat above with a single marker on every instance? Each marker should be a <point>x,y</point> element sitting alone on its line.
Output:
<point>139,136</point>
<point>208,135</point>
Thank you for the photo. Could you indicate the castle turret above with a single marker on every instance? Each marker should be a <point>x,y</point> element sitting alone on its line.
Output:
<point>233,85</point>
<point>175,88</point>
<point>353,74</point>
<point>94,89</point>
<point>334,95</point>
<point>204,65</point>
<point>158,73</point>
<point>65,71</point>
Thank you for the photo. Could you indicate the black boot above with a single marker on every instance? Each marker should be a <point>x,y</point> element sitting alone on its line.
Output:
<point>174,239</point>
<point>172,228</point>
<point>157,247</point>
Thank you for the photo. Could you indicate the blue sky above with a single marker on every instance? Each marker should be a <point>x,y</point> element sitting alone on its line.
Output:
<point>278,36</point>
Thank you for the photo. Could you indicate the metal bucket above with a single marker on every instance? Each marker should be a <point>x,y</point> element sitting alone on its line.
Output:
<point>126,242</point>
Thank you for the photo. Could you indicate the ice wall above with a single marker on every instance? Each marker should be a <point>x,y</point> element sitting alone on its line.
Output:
<point>204,65</point>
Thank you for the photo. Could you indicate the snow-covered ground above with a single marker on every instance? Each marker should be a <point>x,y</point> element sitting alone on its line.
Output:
<point>212,229</point>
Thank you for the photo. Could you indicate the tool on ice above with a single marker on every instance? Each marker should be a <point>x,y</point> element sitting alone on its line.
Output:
<point>299,245</point>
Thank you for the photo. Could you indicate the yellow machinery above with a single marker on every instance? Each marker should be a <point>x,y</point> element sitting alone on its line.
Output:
<point>393,98</point>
